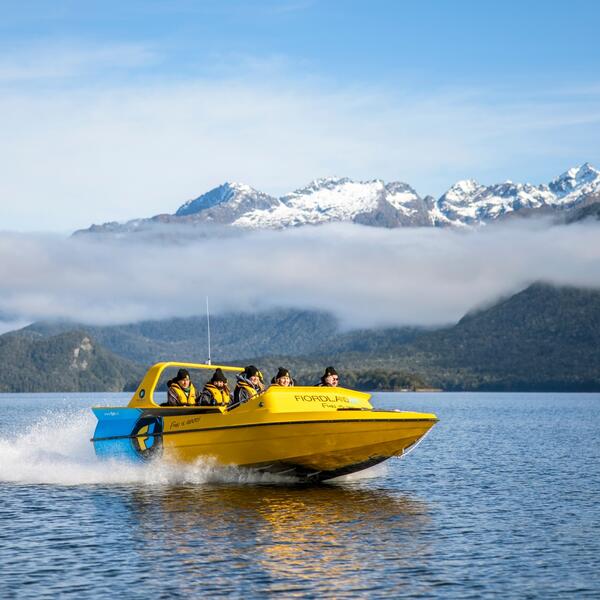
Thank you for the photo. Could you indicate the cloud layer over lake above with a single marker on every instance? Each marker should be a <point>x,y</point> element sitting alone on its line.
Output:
<point>365,276</point>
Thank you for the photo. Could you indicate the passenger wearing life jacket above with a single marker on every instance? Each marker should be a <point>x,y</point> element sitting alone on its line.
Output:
<point>330,378</point>
<point>215,391</point>
<point>249,384</point>
<point>283,378</point>
<point>181,391</point>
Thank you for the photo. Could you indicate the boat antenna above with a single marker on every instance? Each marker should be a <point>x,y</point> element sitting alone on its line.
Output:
<point>208,362</point>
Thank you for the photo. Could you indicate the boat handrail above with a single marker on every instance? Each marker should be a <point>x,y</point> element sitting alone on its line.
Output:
<point>145,390</point>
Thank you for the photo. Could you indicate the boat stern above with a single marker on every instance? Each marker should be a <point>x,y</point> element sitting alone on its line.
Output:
<point>127,433</point>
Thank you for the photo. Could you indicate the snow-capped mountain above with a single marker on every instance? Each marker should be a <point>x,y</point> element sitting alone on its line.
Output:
<point>376,203</point>
<point>341,199</point>
<point>467,202</point>
<point>228,201</point>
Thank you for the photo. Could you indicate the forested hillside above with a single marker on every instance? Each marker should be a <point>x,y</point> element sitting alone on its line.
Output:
<point>543,338</point>
<point>68,362</point>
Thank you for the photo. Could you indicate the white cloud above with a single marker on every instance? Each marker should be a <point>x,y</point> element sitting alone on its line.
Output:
<point>365,276</point>
<point>70,59</point>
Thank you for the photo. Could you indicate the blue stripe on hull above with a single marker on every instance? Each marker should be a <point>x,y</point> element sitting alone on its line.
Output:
<point>142,441</point>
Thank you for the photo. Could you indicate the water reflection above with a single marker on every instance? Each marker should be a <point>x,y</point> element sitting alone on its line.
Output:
<point>329,537</point>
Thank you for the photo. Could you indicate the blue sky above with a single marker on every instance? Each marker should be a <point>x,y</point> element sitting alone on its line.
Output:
<point>115,110</point>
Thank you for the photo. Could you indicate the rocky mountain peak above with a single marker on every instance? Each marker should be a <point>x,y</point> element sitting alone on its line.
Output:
<point>584,176</point>
<point>229,192</point>
<point>327,183</point>
<point>462,192</point>
<point>318,188</point>
<point>399,187</point>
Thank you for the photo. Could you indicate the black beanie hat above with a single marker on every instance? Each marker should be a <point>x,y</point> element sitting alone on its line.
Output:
<point>182,374</point>
<point>250,371</point>
<point>283,372</point>
<point>330,371</point>
<point>218,375</point>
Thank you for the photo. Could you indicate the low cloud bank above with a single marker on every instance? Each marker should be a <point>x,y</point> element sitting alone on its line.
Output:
<point>365,276</point>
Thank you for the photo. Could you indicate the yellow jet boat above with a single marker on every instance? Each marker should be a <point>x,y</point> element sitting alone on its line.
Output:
<point>312,433</point>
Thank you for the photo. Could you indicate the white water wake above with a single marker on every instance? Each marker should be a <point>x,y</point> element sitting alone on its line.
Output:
<point>376,471</point>
<point>56,449</point>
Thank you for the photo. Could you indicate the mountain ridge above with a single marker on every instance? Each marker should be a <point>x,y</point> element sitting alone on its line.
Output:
<point>374,202</point>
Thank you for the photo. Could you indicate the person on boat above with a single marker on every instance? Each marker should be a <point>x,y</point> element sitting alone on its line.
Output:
<point>249,384</point>
<point>283,378</point>
<point>215,391</point>
<point>181,391</point>
<point>330,378</point>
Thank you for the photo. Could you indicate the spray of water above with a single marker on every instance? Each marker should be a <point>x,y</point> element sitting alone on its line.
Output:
<point>56,449</point>
<point>379,470</point>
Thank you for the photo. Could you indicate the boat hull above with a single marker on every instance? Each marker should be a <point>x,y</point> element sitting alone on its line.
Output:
<point>314,447</point>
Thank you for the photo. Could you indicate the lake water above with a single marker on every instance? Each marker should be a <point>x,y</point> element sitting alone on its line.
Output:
<point>500,500</point>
